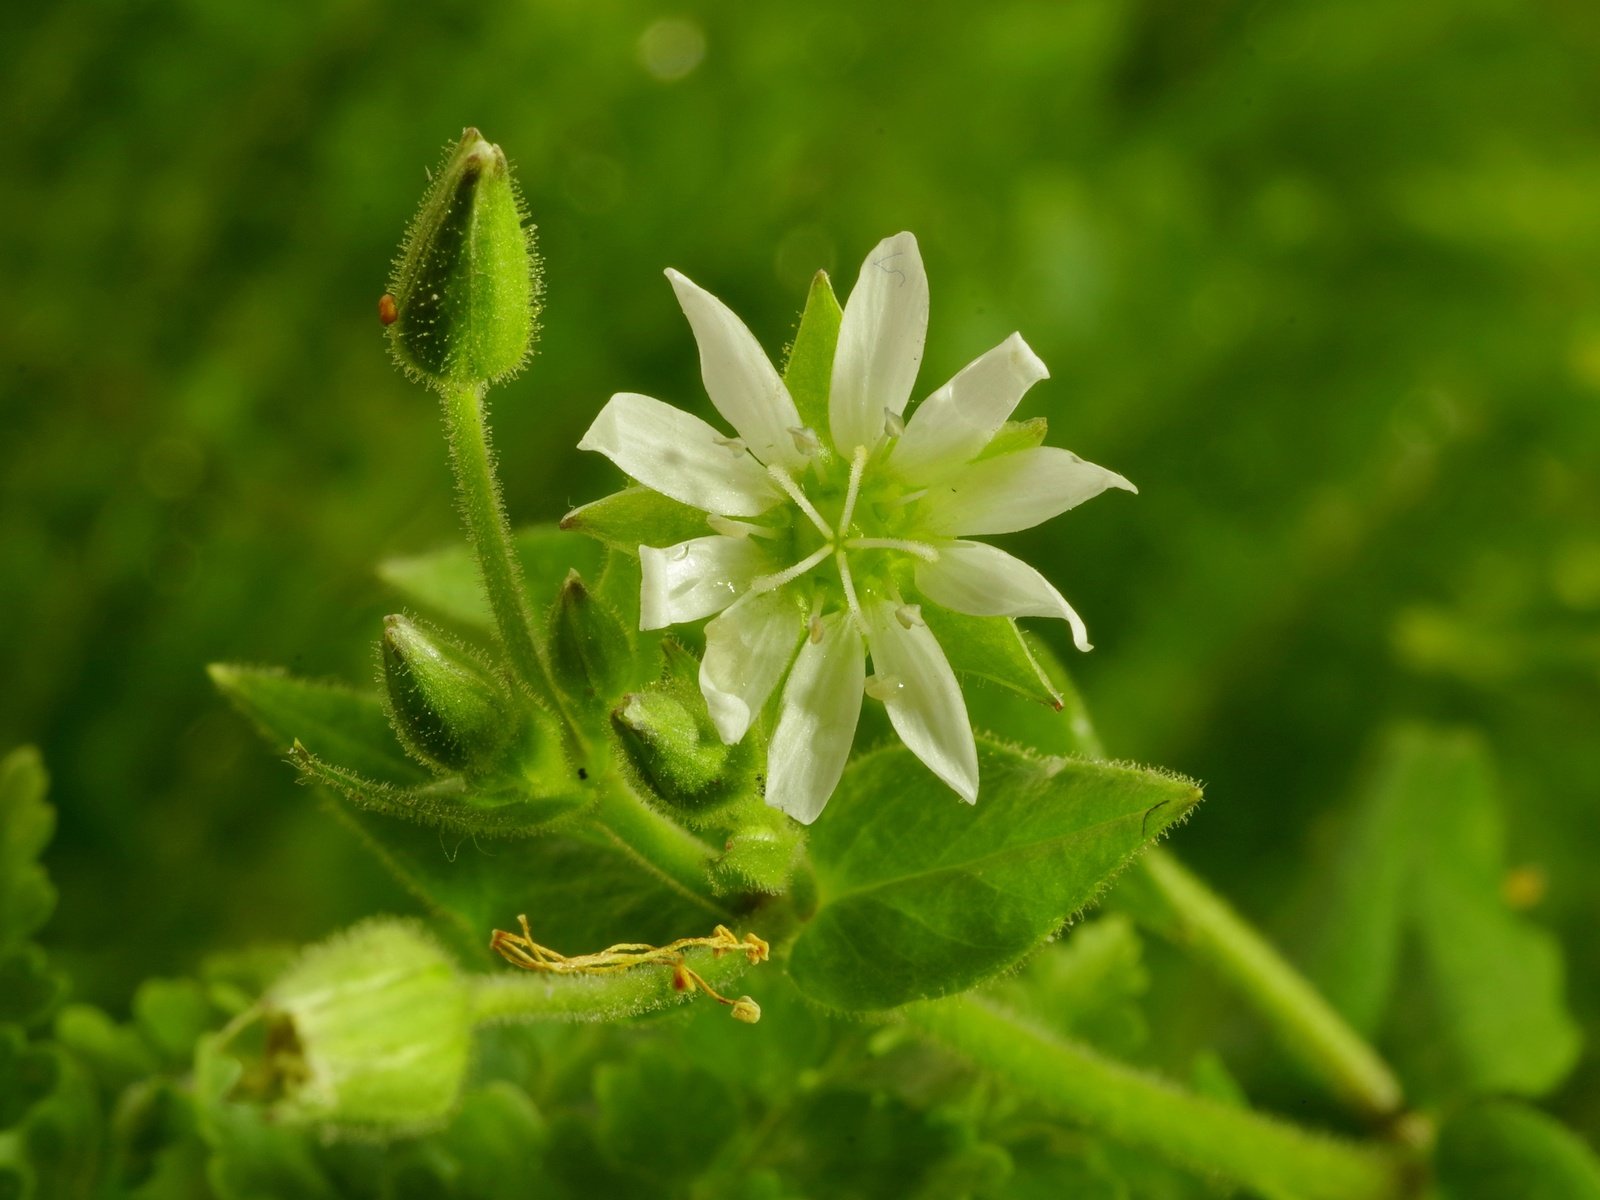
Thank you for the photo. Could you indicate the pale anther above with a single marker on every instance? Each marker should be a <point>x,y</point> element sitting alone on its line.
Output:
<point>893,423</point>
<point>909,616</point>
<point>680,552</point>
<point>884,687</point>
<point>815,631</point>
<point>733,445</point>
<point>805,439</point>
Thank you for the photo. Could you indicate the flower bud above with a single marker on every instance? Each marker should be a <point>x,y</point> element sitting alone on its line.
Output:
<point>589,645</point>
<point>462,307</point>
<point>370,1030</point>
<point>448,709</point>
<point>675,751</point>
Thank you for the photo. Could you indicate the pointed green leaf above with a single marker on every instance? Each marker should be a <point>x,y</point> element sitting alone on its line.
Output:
<point>447,584</point>
<point>332,721</point>
<point>1503,1149</point>
<point>635,517</point>
<point>808,373</point>
<point>922,896</point>
<point>990,648</point>
<point>27,823</point>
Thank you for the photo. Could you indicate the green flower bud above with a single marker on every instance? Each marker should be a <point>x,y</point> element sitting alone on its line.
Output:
<point>371,1030</point>
<point>448,709</point>
<point>589,645</point>
<point>674,750</point>
<point>463,304</point>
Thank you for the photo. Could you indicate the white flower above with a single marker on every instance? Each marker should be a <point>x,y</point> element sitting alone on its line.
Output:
<point>825,543</point>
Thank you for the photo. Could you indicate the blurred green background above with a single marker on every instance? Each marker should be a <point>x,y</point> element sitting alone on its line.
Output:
<point>1323,279</point>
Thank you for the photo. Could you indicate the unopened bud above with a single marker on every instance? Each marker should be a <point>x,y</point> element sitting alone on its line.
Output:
<point>589,646</point>
<point>464,300</point>
<point>447,707</point>
<point>370,1030</point>
<point>676,753</point>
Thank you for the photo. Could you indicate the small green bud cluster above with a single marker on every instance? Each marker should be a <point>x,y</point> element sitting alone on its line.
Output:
<point>590,648</point>
<point>449,709</point>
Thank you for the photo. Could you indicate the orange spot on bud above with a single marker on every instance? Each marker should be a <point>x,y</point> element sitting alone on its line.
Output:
<point>388,310</point>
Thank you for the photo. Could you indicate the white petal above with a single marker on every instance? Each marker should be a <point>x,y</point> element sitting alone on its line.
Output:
<point>951,426</point>
<point>695,578</point>
<point>739,377</point>
<point>925,706</point>
<point>1015,491</point>
<point>817,720</point>
<point>679,455</point>
<point>747,650</point>
<point>983,581</point>
<point>880,343</point>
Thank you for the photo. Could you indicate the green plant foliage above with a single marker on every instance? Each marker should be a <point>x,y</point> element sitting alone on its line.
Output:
<point>634,517</point>
<point>1422,929</point>
<point>808,370</point>
<point>26,826</point>
<point>1503,1148</point>
<point>921,897</point>
<point>990,648</point>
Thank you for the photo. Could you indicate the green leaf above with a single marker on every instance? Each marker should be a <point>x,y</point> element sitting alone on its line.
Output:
<point>172,1014</point>
<point>921,896</point>
<point>990,648</point>
<point>1087,986</point>
<point>662,1117</point>
<point>635,517</point>
<point>27,1075</point>
<point>27,823</point>
<point>332,721</point>
<point>1426,858</point>
<point>808,373</point>
<point>1066,731</point>
<point>446,581</point>
<point>1502,1149</point>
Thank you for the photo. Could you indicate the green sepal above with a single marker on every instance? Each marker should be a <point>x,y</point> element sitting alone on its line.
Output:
<point>466,283</point>
<point>760,853</point>
<point>451,803</point>
<point>921,897</point>
<point>330,720</point>
<point>991,648</point>
<point>1014,436</point>
<point>808,372</point>
<point>447,706</point>
<point>27,822</point>
<point>591,649</point>
<point>637,516</point>
<point>448,582</point>
<point>673,750</point>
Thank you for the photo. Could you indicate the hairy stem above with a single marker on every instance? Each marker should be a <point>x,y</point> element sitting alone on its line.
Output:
<point>485,515</point>
<point>663,847</point>
<point>1244,1147</point>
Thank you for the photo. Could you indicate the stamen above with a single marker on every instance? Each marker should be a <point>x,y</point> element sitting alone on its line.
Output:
<point>734,446</point>
<point>805,439</point>
<point>884,687</point>
<point>909,616</point>
<point>728,527</point>
<point>893,423</point>
<point>908,498</point>
<point>768,583</point>
<point>843,563</point>
<point>921,550</point>
<point>680,552</point>
<point>815,633</point>
<point>799,497</point>
<point>858,464</point>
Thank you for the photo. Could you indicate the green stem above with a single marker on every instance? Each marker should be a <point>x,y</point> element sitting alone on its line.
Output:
<point>663,847</point>
<point>1244,1147</point>
<point>1194,916</point>
<point>485,514</point>
<point>509,996</point>
<point>1201,921</point>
